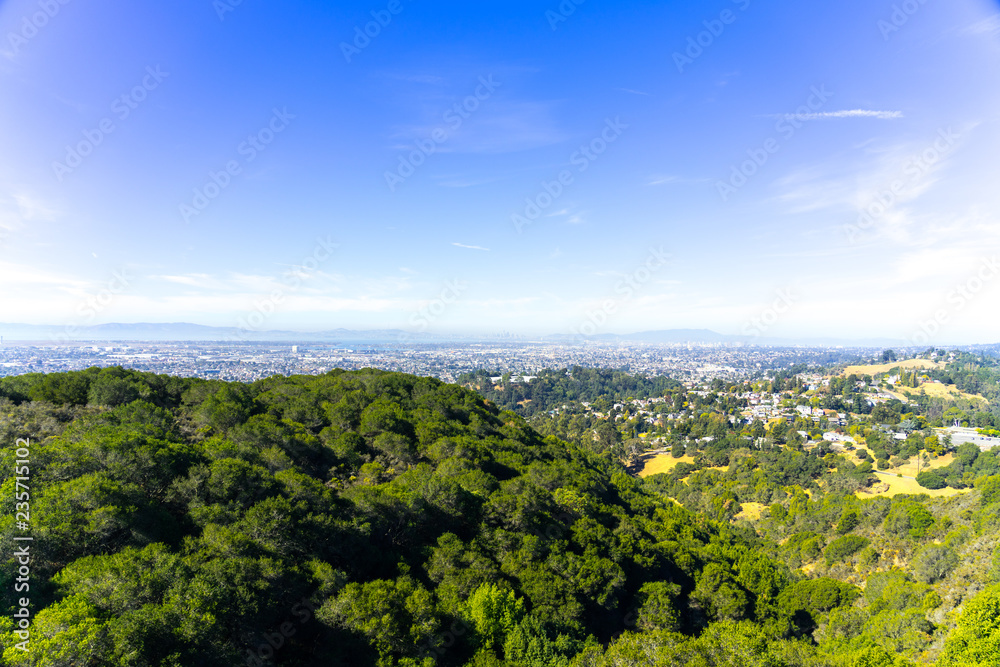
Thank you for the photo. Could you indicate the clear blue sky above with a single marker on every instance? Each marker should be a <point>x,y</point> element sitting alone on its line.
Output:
<point>104,226</point>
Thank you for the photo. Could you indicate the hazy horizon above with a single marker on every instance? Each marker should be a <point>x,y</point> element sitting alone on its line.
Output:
<point>173,332</point>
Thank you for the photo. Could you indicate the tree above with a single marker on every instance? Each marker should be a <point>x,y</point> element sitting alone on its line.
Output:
<point>677,450</point>
<point>65,633</point>
<point>849,520</point>
<point>989,490</point>
<point>658,606</point>
<point>113,391</point>
<point>397,616</point>
<point>493,614</point>
<point>719,594</point>
<point>934,562</point>
<point>976,640</point>
<point>909,518</point>
<point>845,546</point>
<point>62,388</point>
<point>931,480</point>
<point>608,437</point>
<point>876,656</point>
<point>816,596</point>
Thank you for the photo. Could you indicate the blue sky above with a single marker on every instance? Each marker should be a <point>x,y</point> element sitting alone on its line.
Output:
<point>745,140</point>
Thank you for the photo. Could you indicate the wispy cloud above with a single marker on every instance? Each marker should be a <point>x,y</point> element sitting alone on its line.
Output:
<point>498,125</point>
<point>17,209</point>
<point>572,217</point>
<point>470,247</point>
<point>661,179</point>
<point>988,26</point>
<point>459,182</point>
<point>846,113</point>
<point>33,208</point>
<point>633,92</point>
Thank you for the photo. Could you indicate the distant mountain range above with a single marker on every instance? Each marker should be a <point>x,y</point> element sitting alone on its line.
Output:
<point>707,336</point>
<point>184,331</point>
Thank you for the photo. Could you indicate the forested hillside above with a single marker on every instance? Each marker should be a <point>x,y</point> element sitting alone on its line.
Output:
<point>373,518</point>
<point>553,387</point>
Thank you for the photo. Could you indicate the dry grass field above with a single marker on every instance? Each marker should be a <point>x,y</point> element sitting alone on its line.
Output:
<point>665,462</point>
<point>936,390</point>
<point>751,511</point>
<point>883,368</point>
<point>901,485</point>
<point>662,463</point>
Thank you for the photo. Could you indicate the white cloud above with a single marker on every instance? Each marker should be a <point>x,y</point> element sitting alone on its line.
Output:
<point>470,247</point>
<point>847,113</point>
<point>989,26</point>
<point>856,179</point>
<point>19,208</point>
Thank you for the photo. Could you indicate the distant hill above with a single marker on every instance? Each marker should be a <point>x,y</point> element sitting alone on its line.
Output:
<point>186,331</point>
<point>707,336</point>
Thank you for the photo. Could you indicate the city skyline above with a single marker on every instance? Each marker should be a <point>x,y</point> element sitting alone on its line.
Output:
<point>771,171</point>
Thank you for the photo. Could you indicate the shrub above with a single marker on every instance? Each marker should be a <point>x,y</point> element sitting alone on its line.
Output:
<point>931,480</point>
<point>849,520</point>
<point>934,562</point>
<point>990,490</point>
<point>842,547</point>
<point>976,640</point>
<point>909,518</point>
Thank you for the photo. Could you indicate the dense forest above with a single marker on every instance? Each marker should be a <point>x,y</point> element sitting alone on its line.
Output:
<point>374,518</point>
<point>551,388</point>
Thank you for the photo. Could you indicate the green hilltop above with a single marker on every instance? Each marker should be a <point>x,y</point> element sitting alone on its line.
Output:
<point>375,518</point>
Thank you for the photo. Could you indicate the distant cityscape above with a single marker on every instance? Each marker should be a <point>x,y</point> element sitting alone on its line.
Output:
<point>246,362</point>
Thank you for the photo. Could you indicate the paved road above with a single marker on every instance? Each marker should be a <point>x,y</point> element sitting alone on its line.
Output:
<point>890,474</point>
